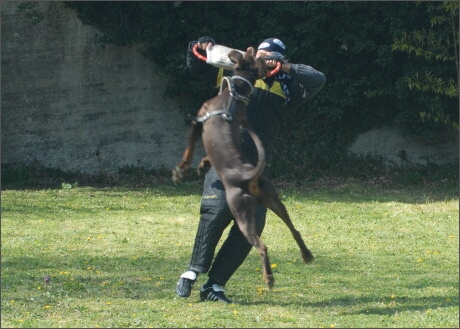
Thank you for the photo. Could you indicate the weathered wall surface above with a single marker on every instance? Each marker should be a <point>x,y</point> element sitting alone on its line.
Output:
<point>397,149</point>
<point>68,104</point>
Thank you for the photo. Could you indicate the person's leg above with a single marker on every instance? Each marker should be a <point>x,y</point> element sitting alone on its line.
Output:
<point>233,252</point>
<point>215,217</point>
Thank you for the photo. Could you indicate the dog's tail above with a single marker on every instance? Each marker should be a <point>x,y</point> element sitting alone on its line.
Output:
<point>254,175</point>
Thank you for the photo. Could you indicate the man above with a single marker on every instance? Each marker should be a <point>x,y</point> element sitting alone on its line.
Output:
<point>291,87</point>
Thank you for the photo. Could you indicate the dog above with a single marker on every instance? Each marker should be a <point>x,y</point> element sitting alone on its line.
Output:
<point>218,124</point>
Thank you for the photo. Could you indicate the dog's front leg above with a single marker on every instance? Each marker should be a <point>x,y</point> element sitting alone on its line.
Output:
<point>179,171</point>
<point>204,166</point>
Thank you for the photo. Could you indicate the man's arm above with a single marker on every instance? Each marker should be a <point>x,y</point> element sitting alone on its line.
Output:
<point>307,83</point>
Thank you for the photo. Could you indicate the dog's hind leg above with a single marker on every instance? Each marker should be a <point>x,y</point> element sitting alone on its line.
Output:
<point>243,206</point>
<point>268,196</point>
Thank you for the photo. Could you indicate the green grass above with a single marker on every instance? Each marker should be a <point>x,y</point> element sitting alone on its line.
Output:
<point>384,258</point>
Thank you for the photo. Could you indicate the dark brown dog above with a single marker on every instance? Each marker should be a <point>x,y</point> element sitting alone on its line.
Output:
<point>218,124</point>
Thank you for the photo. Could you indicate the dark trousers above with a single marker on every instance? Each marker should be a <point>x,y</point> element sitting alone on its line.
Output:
<point>215,216</point>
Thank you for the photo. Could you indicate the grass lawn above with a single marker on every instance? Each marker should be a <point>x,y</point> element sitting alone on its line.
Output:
<point>110,257</point>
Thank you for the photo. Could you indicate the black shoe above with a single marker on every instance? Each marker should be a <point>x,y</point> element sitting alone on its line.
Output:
<point>185,284</point>
<point>214,293</point>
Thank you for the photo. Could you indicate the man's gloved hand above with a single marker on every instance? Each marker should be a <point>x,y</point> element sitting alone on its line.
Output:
<point>206,39</point>
<point>276,56</point>
<point>204,43</point>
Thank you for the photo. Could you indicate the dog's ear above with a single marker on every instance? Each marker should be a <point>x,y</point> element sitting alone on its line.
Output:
<point>261,68</point>
<point>235,56</point>
<point>249,55</point>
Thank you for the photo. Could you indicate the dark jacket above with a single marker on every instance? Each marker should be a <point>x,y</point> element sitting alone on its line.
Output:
<point>268,102</point>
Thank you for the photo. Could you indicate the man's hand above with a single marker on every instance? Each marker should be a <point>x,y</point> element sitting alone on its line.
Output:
<point>205,42</point>
<point>276,57</point>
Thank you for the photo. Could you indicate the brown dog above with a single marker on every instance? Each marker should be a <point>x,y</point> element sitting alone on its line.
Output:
<point>218,124</point>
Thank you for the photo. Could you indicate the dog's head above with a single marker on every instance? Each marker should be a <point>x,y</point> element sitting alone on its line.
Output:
<point>248,66</point>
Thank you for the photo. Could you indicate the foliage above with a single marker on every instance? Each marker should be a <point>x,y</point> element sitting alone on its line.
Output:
<point>369,83</point>
<point>438,43</point>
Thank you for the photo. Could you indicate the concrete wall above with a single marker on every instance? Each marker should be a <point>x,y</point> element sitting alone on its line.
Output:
<point>397,149</point>
<point>67,103</point>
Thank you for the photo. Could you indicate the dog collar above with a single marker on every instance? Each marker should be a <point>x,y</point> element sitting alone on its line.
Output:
<point>245,80</point>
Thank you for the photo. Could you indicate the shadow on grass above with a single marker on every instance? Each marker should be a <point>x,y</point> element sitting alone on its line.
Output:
<point>103,278</point>
<point>154,277</point>
<point>359,305</point>
<point>417,185</point>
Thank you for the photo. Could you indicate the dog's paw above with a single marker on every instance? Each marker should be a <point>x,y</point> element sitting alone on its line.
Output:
<point>307,256</point>
<point>269,280</point>
<point>177,175</point>
<point>203,166</point>
<point>202,170</point>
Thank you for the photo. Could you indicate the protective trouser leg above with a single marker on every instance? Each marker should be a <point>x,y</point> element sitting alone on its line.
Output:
<point>234,250</point>
<point>215,216</point>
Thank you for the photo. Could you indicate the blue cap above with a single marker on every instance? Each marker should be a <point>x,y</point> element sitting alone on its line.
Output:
<point>273,45</point>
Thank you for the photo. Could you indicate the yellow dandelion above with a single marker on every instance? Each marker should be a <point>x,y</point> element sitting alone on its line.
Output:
<point>39,288</point>
<point>393,296</point>
<point>47,306</point>
<point>109,303</point>
<point>260,290</point>
<point>235,312</point>
<point>273,265</point>
<point>420,260</point>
